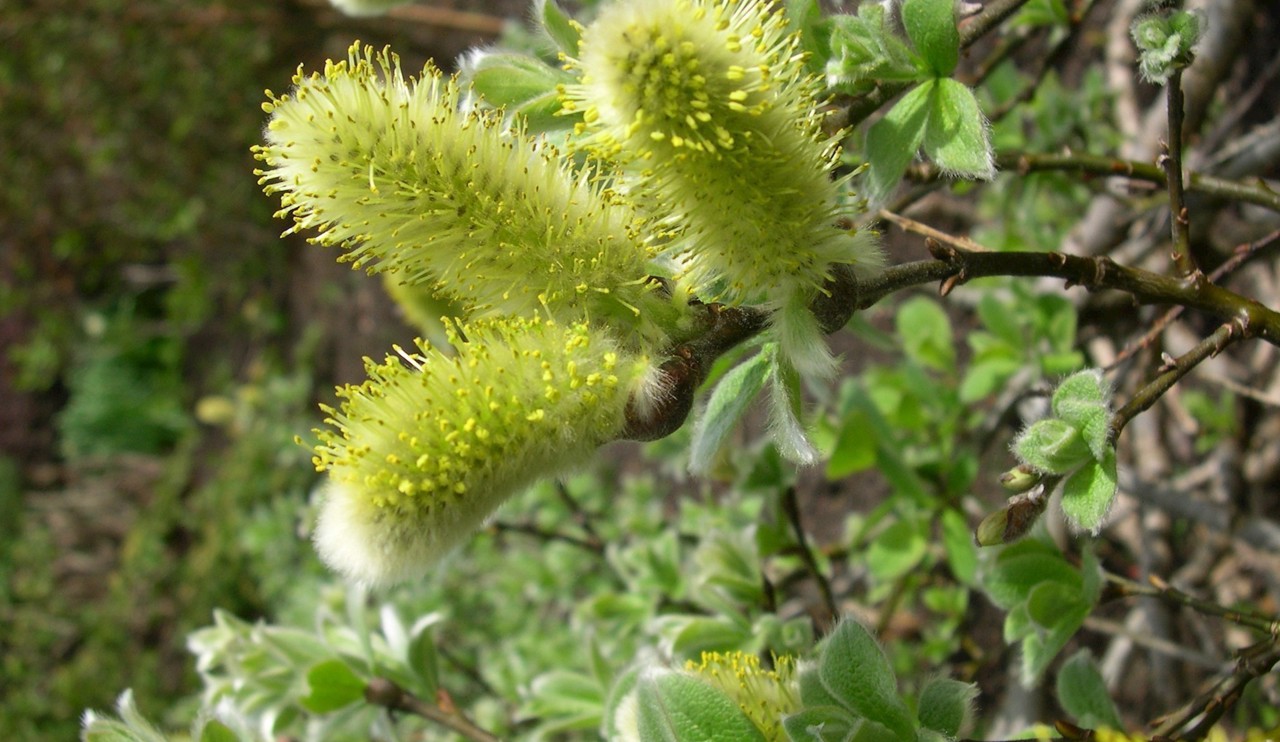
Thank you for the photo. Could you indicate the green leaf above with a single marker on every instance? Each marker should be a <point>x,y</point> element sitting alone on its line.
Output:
<point>1022,566</point>
<point>332,684</point>
<point>864,51</point>
<point>1083,694</point>
<point>807,18</point>
<point>674,706</point>
<point>855,448</point>
<point>216,731</point>
<point>855,671</point>
<point>985,377</point>
<point>1052,446</point>
<point>819,724</point>
<point>623,685</point>
<point>962,555</point>
<point>1082,400</point>
<point>926,333</point>
<point>945,705</point>
<point>729,401</point>
<point>1039,649</point>
<point>505,79</point>
<point>1087,494</point>
<point>710,634</point>
<point>566,693</point>
<point>892,142</point>
<point>931,26</point>
<point>956,138</point>
<point>1049,601</point>
<point>422,659</point>
<point>557,25</point>
<point>896,550</point>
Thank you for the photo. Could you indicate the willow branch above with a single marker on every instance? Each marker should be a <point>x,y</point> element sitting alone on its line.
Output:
<point>1172,162</point>
<point>791,507</point>
<point>1158,588</point>
<point>383,692</point>
<point>1027,162</point>
<point>1174,370</point>
<point>1253,663</point>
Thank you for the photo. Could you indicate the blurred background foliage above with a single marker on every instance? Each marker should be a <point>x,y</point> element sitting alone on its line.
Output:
<point>162,346</point>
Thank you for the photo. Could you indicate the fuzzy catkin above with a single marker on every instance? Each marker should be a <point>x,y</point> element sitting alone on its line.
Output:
<point>711,110</point>
<point>431,444</point>
<point>390,169</point>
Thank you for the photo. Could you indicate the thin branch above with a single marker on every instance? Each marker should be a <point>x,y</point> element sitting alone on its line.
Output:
<point>791,507</point>
<point>383,692</point>
<point>1175,369</point>
<point>1208,708</point>
<point>593,545</point>
<point>1162,590</point>
<point>1238,258</point>
<point>1172,162</point>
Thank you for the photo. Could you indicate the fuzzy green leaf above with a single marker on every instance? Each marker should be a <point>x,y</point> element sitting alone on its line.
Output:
<point>674,706</point>
<point>819,724</point>
<point>1052,446</point>
<point>1083,693</point>
<point>865,51</point>
<point>728,402</point>
<point>506,79</point>
<point>931,26</point>
<point>216,731</point>
<point>332,685</point>
<point>557,25</point>
<point>1022,566</point>
<point>1087,494</point>
<point>855,671</point>
<point>945,705</point>
<point>1039,648</point>
<point>1082,400</point>
<point>956,138</point>
<point>892,141</point>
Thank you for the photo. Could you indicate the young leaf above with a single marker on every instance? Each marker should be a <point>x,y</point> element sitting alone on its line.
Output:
<point>931,26</point>
<point>1022,566</point>
<point>819,724</point>
<point>677,707</point>
<point>216,731</point>
<point>505,79</point>
<point>896,551</point>
<point>892,141</point>
<point>958,544</point>
<point>926,333</point>
<point>1083,694</point>
<point>558,26</point>
<point>855,448</point>
<point>945,705</point>
<point>856,672</point>
<point>1087,494</point>
<point>1052,446</point>
<point>1039,649</point>
<point>956,138</point>
<point>332,685</point>
<point>729,401</point>
<point>1082,400</point>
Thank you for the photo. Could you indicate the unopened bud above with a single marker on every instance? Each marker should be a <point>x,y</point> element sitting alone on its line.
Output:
<point>1020,478</point>
<point>1014,520</point>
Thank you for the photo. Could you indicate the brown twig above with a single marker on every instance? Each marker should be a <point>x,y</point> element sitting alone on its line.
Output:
<point>1172,163</point>
<point>1205,710</point>
<point>1162,590</point>
<point>383,692</point>
<point>1175,369</point>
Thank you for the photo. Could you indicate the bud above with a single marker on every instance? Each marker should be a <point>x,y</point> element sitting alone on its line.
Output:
<point>431,444</point>
<point>1020,478</point>
<point>390,169</point>
<point>709,106</point>
<point>1014,520</point>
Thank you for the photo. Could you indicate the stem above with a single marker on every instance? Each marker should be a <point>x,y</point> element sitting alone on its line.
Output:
<point>1172,161</point>
<point>1162,590</point>
<point>1253,662</point>
<point>791,507</point>
<point>1175,370</point>
<point>383,692</point>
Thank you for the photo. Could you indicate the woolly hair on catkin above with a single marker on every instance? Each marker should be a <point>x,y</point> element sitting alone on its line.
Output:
<point>709,106</point>
<point>431,444</point>
<point>390,169</point>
